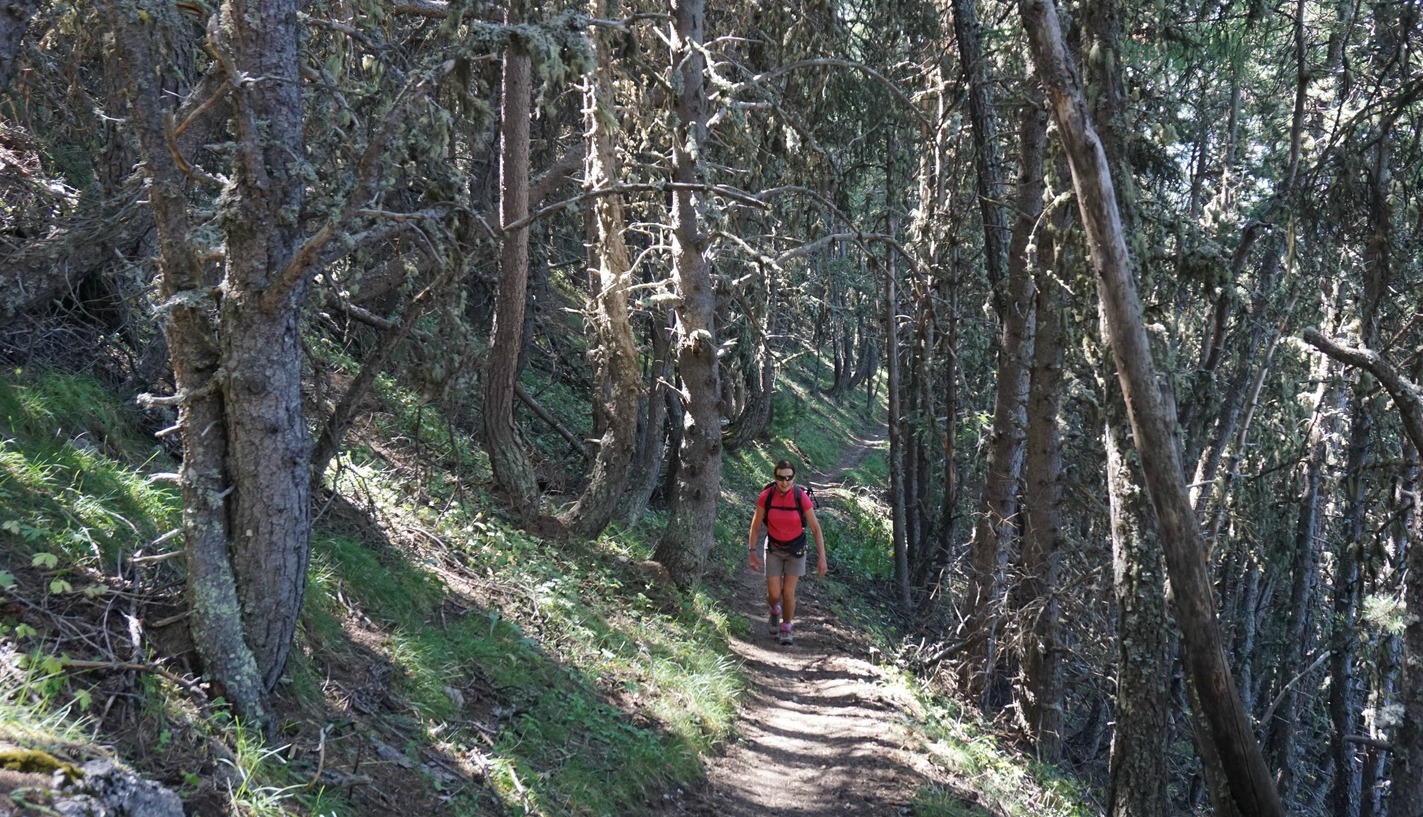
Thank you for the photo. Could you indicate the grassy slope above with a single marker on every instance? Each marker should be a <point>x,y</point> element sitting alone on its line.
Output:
<point>447,662</point>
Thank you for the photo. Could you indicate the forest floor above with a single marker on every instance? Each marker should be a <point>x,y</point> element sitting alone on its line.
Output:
<point>822,730</point>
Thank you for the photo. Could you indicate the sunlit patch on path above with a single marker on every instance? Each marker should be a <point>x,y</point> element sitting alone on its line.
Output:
<point>821,731</point>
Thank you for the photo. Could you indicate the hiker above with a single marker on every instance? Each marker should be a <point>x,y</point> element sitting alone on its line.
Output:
<point>786,510</point>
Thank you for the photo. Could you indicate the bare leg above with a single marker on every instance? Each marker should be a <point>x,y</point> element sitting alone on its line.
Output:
<point>788,600</point>
<point>774,591</point>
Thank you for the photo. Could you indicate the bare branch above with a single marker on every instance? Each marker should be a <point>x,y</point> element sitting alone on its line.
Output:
<point>1405,393</point>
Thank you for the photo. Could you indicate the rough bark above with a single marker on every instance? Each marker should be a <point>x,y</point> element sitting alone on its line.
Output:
<point>618,384</point>
<point>1137,759</point>
<point>684,546</point>
<point>269,447</point>
<point>1042,706</point>
<point>216,622</point>
<point>1284,729</point>
<point>512,471</point>
<point>1407,534</point>
<point>652,423</point>
<point>1345,695</point>
<point>15,16</point>
<point>998,524</point>
<point>984,120</point>
<point>236,351</point>
<point>899,544</point>
<point>1229,727</point>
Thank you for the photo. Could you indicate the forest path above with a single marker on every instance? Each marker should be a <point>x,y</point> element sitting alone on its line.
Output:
<point>820,732</point>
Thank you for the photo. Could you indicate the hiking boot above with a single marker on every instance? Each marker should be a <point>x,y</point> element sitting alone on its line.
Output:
<point>773,624</point>
<point>787,637</point>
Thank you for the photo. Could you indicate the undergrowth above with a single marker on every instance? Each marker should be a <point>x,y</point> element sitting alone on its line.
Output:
<point>447,661</point>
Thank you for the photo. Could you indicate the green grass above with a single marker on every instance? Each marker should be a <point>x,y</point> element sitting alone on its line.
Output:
<point>561,676</point>
<point>67,502</point>
<point>1003,781</point>
<point>608,695</point>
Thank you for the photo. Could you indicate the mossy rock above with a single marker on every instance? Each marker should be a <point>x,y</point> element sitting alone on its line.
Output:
<point>34,761</point>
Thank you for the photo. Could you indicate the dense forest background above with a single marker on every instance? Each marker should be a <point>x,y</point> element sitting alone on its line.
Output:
<point>1137,281</point>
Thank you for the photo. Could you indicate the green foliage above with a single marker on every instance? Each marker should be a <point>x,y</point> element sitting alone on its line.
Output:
<point>865,547</point>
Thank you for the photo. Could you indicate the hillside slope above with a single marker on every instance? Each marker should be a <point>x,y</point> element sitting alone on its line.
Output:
<point>449,663</point>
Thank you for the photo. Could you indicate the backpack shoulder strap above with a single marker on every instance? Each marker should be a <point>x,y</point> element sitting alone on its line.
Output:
<point>798,493</point>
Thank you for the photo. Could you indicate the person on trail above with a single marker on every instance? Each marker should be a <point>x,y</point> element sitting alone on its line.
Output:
<point>786,511</point>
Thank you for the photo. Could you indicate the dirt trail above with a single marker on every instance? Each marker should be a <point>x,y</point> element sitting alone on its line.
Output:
<point>820,732</point>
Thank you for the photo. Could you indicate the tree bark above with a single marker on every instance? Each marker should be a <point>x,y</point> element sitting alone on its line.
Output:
<point>618,384</point>
<point>216,622</point>
<point>269,447</point>
<point>1137,759</point>
<point>754,417</point>
<point>984,120</point>
<point>1229,727</point>
<point>15,16</point>
<point>895,391</point>
<point>1283,729</point>
<point>652,440</point>
<point>247,495</point>
<point>998,524</point>
<point>513,472</point>
<point>688,539</point>
<point>1345,695</point>
<point>1042,706</point>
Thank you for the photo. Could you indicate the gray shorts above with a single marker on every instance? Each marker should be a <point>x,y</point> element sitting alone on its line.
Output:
<point>782,563</point>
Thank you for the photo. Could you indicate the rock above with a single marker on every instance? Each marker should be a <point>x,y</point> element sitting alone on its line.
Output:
<point>104,789</point>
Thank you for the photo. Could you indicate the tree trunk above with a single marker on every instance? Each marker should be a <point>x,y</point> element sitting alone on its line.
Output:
<point>246,477</point>
<point>998,525</point>
<point>1042,706</point>
<point>1406,796</point>
<point>1229,726</point>
<point>755,416</point>
<point>14,22</point>
<point>328,441</point>
<point>652,441</point>
<point>1407,536</point>
<point>1283,729</point>
<point>269,448</point>
<point>939,558</point>
<point>989,167</point>
<point>1344,693</point>
<point>896,433</point>
<point>1137,762</point>
<point>513,472</point>
<point>216,624</point>
<point>688,539</point>
<point>618,385</point>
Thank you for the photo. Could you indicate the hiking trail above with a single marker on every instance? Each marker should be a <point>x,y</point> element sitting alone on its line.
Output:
<point>820,731</point>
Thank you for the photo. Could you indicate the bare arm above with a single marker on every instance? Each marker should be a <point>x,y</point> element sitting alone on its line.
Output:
<point>757,519</point>
<point>821,566</point>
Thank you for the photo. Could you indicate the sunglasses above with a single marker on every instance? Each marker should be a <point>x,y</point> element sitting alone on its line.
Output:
<point>784,477</point>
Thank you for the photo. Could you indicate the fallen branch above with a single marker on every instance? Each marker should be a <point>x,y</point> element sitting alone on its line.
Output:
<point>563,431</point>
<point>130,666</point>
